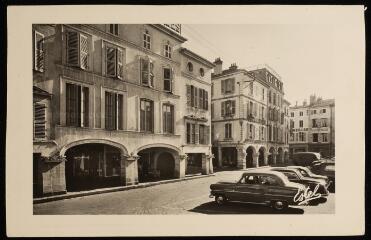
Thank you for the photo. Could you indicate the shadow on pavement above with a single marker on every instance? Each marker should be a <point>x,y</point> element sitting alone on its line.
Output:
<point>241,208</point>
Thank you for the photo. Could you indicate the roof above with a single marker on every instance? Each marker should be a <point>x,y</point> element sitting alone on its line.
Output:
<point>169,32</point>
<point>41,92</point>
<point>196,57</point>
<point>323,103</point>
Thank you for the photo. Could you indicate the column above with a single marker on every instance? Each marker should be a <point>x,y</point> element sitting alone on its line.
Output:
<point>211,166</point>
<point>220,157</point>
<point>205,164</point>
<point>129,170</point>
<point>255,159</point>
<point>180,167</point>
<point>265,159</point>
<point>241,158</point>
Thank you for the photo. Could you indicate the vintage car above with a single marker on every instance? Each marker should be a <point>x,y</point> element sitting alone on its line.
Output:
<point>306,172</point>
<point>259,186</point>
<point>305,158</point>
<point>325,168</point>
<point>294,175</point>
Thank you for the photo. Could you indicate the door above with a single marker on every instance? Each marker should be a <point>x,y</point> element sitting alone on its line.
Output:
<point>249,189</point>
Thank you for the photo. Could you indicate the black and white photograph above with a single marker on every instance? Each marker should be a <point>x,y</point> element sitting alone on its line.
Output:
<point>173,119</point>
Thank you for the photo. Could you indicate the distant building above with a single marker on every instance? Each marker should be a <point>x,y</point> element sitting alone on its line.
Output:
<point>249,117</point>
<point>312,127</point>
<point>109,104</point>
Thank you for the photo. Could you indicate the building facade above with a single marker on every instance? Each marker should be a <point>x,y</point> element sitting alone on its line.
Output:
<point>109,103</point>
<point>312,127</point>
<point>248,119</point>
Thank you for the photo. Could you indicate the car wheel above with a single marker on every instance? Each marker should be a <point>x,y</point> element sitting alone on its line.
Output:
<point>220,199</point>
<point>279,205</point>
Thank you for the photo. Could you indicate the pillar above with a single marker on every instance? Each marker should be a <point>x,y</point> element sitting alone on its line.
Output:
<point>205,164</point>
<point>211,166</point>
<point>241,158</point>
<point>180,166</point>
<point>255,159</point>
<point>265,159</point>
<point>220,157</point>
<point>129,170</point>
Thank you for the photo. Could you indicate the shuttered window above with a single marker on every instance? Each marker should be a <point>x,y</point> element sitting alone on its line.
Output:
<point>204,132</point>
<point>39,52</point>
<point>189,95</point>
<point>84,51</point>
<point>146,39</point>
<point>168,118</point>
<point>201,98</point>
<point>228,108</point>
<point>77,105</point>
<point>228,130</point>
<point>167,79</point>
<point>228,86</point>
<point>111,61</point>
<point>113,111</point>
<point>167,50</point>
<point>114,29</point>
<point>146,115</point>
<point>39,121</point>
<point>77,49</point>
<point>206,100</point>
<point>147,76</point>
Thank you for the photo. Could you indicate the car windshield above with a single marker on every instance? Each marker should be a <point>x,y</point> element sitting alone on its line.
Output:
<point>304,172</point>
<point>291,175</point>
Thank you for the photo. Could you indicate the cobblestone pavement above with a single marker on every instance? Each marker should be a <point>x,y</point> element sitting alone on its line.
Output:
<point>186,197</point>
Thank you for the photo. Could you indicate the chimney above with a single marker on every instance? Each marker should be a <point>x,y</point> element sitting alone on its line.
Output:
<point>305,103</point>
<point>319,99</point>
<point>296,103</point>
<point>312,99</point>
<point>218,66</point>
<point>233,66</point>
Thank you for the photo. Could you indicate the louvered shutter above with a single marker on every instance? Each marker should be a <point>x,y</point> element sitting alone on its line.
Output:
<point>223,108</point>
<point>151,75</point>
<point>39,52</point>
<point>144,68</point>
<point>110,61</point>
<point>201,98</point>
<point>120,63</point>
<point>84,52</point>
<point>73,48</point>
<point>206,101</point>
<point>189,98</point>
<point>195,99</point>
<point>171,79</point>
<point>207,134</point>
<point>223,86</point>
<point>39,120</point>
<point>85,107</point>
<point>232,85</point>
<point>233,107</point>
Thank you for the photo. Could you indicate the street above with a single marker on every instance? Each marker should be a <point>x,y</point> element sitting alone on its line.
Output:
<point>185,197</point>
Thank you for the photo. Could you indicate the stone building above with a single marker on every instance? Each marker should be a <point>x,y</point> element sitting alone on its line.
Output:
<point>109,103</point>
<point>248,117</point>
<point>313,127</point>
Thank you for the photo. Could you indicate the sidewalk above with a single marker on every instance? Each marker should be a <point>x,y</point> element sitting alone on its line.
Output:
<point>113,189</point>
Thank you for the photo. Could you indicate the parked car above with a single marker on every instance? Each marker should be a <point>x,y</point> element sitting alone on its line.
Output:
<point>306,172</point>
<point>258,186</point>
<point>294,175</point>
<point>305,158</point>
<point>325,168</point>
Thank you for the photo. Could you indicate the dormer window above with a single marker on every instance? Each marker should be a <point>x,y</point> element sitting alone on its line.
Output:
<point>114,29</point>
<point>167,49</point>
<point>190,67</point>
<point>146,40</point>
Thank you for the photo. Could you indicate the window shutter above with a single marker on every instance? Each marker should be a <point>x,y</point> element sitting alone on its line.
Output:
<point>144,68</point>
<point>84,52</point>
<point>206,101</point>
<point>171,79</point>
<point>119,112</point>
<point>39,121</point>
<point>151,75</point>
<point>39,52</point>
<point>223,86</point>
<point>226,130</point>
<point>110,61</point>
<point>223,109</point>
<point>207,135</point>
<point>201,98</point>
<point>120,63</point>
<point>189,99</point>
<point>232,85</point>
<point>72,48</point>
<point>195,97</point>
<point>233,107</point>
<point>86,106</point>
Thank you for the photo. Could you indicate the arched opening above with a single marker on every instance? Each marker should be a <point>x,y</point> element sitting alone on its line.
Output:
<point>249,157</point>
<point>229,157</point>
<point>280,155</point>
<point>156,163</point>
<point>261,156</point>
<point>286,157</point>
<point>92,165</point>
<point>271,156</point>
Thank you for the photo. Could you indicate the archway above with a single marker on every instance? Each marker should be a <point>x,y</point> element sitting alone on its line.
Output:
<point>271,156</point>
<point>92,165</point>
<point>166,165</point>
<point>250,151</point>
<point>261,156</point>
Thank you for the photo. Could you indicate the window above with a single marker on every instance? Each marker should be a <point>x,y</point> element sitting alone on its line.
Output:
<point>168,118</point>
<point>147,76</point>
<point>113,111</point>
<point>291,175</point>
<point>263,94</point>
<point>203,134</point>
<point>77,50</point>
<point>114,29</point>
<point>268,180</point>
<point>301,123</point>
<point>314,123</point>
<point>39,52</point>
<point>315,137</point>
<point>114,62</point>
<point>212,110</point>
<point>203,99</point>
<point>228,131</point>
<point>146,39</point>
<point>270,97</point>
<point>251,131</point>
<point>197,97</point>
<point>167,49</point>
<point>190,67</point>
<point>167,79</point>
<point>302,136</point>
<point>77,105</point>
<point>39,119</point>
<point>262,114</point>
<point>292,114</point>
<point>323,110</point>
<point>324,122</point>
<point>314,111</point>
<point>274,98</point>
<point>202,72</point>
<point>146,115</point>
<point>228,108</point>
<point>324,137</point>
<point>228,86</point>
<point>300,113</point>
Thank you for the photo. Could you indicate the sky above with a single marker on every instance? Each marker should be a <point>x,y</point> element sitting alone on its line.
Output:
<point>300,54</point>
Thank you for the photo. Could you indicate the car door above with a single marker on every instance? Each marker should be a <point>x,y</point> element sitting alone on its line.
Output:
<point>249,190</point>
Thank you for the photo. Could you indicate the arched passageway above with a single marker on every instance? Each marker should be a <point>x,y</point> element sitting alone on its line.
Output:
<point>261,156</point>
<point>280,155</point>
<point>271,157</point>
<point>250,151</point>
<point>92,165</point>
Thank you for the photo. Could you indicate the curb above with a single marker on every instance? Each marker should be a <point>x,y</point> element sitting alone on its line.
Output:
<point>114,189</point>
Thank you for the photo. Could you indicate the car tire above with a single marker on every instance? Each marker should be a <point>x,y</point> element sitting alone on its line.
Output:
<point>220,199</point>
<point>279,205</point>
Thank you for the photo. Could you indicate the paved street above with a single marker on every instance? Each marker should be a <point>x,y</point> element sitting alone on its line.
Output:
<point>186,197</point>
